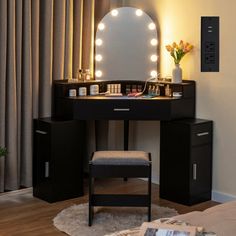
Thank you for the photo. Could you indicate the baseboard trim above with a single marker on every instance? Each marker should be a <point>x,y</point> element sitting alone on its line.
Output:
<point>215,195</point>
<point>222,197</point>
<point>155,180</point>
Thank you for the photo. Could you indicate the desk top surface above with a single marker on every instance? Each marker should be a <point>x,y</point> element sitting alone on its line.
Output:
<point>123,98</point>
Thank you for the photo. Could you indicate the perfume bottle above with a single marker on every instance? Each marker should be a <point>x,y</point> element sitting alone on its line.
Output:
<point>157,91</point>
<point>150,90</point>
<point>87,74</point>
<point>82,74</point>
<point>168,90</point>
<point>127,89</point>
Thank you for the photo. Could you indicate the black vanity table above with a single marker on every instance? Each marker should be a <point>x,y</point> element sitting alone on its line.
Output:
<point>163,108</point>
<point>123,108</point>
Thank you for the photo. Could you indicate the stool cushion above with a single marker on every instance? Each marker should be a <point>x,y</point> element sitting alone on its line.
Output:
<point>120,158</point>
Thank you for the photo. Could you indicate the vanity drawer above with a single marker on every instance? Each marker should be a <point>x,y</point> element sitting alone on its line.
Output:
<point>201,133</point>
<point>121,109</point>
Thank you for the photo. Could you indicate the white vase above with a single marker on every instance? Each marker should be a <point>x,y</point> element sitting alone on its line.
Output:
<point>177,74</point>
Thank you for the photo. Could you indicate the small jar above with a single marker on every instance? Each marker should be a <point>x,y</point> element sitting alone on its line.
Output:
<point>82,91</point>
<point>94,89</point>
<point>72,92</point>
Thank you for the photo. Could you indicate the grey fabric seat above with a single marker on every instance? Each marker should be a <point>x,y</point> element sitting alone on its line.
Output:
<point>119,164</point>
<point>120,158</point>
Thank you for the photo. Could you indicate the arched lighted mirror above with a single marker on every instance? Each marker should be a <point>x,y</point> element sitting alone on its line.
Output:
<point>126,46</point>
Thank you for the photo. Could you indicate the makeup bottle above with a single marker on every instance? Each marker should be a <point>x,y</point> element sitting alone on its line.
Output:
<point>168,90</point>
<point>157,91</point>
<point>150,90</point>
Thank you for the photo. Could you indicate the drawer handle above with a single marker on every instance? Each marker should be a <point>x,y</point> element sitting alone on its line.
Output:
<point>46,174</point>
<point>195,171</point>
<point>121,109</point>
<point>202,134</point>
<point>40,132</point>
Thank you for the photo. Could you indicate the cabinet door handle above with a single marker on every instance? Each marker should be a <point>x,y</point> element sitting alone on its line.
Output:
<point>195,171</point>
<point>40,132</point>
<point>121,109</point>
<point>202,134</point>
<point>46,173</point>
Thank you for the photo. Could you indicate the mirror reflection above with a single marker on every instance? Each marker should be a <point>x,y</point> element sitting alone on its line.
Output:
<point>126,46</point>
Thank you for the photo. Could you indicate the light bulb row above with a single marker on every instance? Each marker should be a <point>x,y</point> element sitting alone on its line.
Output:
<point>153,57</point>
<point>101,26</point>
<point>153,42</point>
<point>115,12</point>
<point>138,12</point>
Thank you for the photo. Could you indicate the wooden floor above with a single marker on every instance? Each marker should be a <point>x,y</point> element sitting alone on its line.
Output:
<point>23,215</point>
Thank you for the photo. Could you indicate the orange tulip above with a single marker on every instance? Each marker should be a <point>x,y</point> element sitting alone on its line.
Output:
<point>169,48</point>
<point>181,45</point>
<point>177,51</point>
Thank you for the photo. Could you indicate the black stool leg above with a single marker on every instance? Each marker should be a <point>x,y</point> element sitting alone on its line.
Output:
<point>150,193</point>
<point>90,220</point>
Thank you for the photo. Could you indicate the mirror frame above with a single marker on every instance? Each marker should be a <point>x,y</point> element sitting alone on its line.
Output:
<point>157,47</point>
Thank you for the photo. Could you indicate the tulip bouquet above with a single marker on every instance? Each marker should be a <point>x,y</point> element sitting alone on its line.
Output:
<point>177,51</point>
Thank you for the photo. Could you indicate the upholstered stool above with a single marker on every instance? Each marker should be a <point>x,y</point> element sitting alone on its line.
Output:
<point>119,164</point>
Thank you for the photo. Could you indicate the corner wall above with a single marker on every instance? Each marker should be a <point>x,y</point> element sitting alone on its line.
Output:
<point>216,92</point>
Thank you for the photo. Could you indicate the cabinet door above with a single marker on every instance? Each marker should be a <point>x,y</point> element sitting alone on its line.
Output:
<point>41,160</point>
<point>200,169</point>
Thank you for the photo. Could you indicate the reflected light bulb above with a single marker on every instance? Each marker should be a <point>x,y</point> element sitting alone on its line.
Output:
<point>98,42</point>
<point>154,58</point>
<point>98,73</point>
<point>101,26</point>
<point>114,12</point>
<point>153,42</point>
<point>98,57</point>
<point>139,12</point>
<point>153,73</point>
<point>152,26</point>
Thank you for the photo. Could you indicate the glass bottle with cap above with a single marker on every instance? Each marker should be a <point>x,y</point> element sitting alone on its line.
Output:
<point>87,74</point>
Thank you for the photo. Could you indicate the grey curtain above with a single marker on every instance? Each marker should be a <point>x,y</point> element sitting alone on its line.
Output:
<point>40,41</point>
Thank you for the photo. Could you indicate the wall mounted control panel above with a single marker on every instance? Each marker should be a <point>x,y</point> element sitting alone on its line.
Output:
<point>210,44</point>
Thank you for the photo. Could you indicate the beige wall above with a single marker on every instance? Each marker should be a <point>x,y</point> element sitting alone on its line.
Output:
<point>216,92</point>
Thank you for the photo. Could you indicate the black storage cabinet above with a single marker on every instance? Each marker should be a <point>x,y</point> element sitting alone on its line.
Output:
<point>186,161</point>
<point>58,159</point>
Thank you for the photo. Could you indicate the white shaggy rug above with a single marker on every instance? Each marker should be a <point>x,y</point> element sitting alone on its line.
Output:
<point>74,220</point>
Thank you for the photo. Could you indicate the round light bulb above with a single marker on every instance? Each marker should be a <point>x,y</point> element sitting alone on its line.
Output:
<point>114,12</point>
<point>152,26</point>
<point>154,58</point>
<point>101,26</point>
<point>98,57</point>
<point>153,42</point>
<point>98,73</point>
<point>139,12</point>
<point>98,42</point>
<point>153,73</point>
